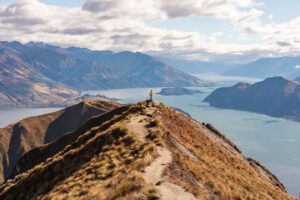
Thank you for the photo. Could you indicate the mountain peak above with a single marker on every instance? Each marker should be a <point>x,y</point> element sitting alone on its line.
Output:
<point>276,78</point>
<point>241,85</point>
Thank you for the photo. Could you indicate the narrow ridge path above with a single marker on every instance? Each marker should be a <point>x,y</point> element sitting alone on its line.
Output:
<point>153,172</point>
<point>137,126</point>
<point>167,190</point>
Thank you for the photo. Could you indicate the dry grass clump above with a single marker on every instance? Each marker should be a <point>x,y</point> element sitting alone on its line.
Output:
<point>141,105</point>
<point>131,183</point>
<point>155,136</point>
<point>153,123</point>
<point>142,162</point>
<point>124,186</point>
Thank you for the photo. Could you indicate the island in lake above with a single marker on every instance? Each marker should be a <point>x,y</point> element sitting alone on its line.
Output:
<point>176,91</point>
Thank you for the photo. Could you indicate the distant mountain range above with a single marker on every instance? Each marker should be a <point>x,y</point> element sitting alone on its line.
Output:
<point>288,67</point>
<point>275,96</point>
<point>197,67</point>
<point>39,74</point>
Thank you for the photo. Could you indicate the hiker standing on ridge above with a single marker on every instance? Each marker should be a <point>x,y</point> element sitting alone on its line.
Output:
<point>151,95</point>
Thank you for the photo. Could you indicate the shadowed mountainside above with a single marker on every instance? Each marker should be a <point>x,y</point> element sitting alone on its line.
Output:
<point>142,151</point>
<point>17,139</point>
<point>275,96</point>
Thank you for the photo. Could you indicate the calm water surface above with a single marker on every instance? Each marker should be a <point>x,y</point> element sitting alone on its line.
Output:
<point>14,115</point>
<point>272,141</point>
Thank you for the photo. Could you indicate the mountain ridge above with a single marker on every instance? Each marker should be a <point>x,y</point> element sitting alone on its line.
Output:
<point>22,136</point>
<point>124,63</point>
<point>149,151</point>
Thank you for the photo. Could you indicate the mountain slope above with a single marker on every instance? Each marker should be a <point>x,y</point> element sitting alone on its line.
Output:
<point>21,85</point>
<point>84,69</point>
<point>275,96</point>
<point>144,151</point>
<point>125,69</point>
<point>287,67</point>
<point>19,138</point>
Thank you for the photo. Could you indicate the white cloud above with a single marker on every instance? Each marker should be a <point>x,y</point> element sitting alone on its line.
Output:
<point>124,25</point>
<point>270,17</point>
<point>297,67</point>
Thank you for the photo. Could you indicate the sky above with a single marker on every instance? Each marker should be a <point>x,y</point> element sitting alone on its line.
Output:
<point>231,31</point>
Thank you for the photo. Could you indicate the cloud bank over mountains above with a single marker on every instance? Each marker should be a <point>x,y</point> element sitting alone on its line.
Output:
<point>127,25</point>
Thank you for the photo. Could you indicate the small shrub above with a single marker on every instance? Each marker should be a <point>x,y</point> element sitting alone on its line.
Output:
<point>151,136</point>
<point>127,141</point>
<point>141,163</point>
<point>210,184</point>
<point>111,166</point>
<point>120,131</point>
<point>152,191</point>
<point>153,123</point>
<point>152,197</point>
<point>237,198</point>
<point>151,194</point>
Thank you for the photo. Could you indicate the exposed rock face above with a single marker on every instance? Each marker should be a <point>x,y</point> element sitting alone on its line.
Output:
<point>177,91</point>
<point>274,96</point>
<point>39,75</point>
<point>17,139</point>
<point>143,151</point>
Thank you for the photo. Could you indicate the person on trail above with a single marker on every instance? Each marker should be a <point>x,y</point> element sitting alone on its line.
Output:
<point>151,95</point>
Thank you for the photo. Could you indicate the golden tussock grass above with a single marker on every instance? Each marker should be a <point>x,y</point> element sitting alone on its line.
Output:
<point>106,162</point>
<point>96,157</point>
<point>219,173</point>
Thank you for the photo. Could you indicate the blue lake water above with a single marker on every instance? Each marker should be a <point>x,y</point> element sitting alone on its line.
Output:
<point>272,141</point>
<point>14,115</point>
